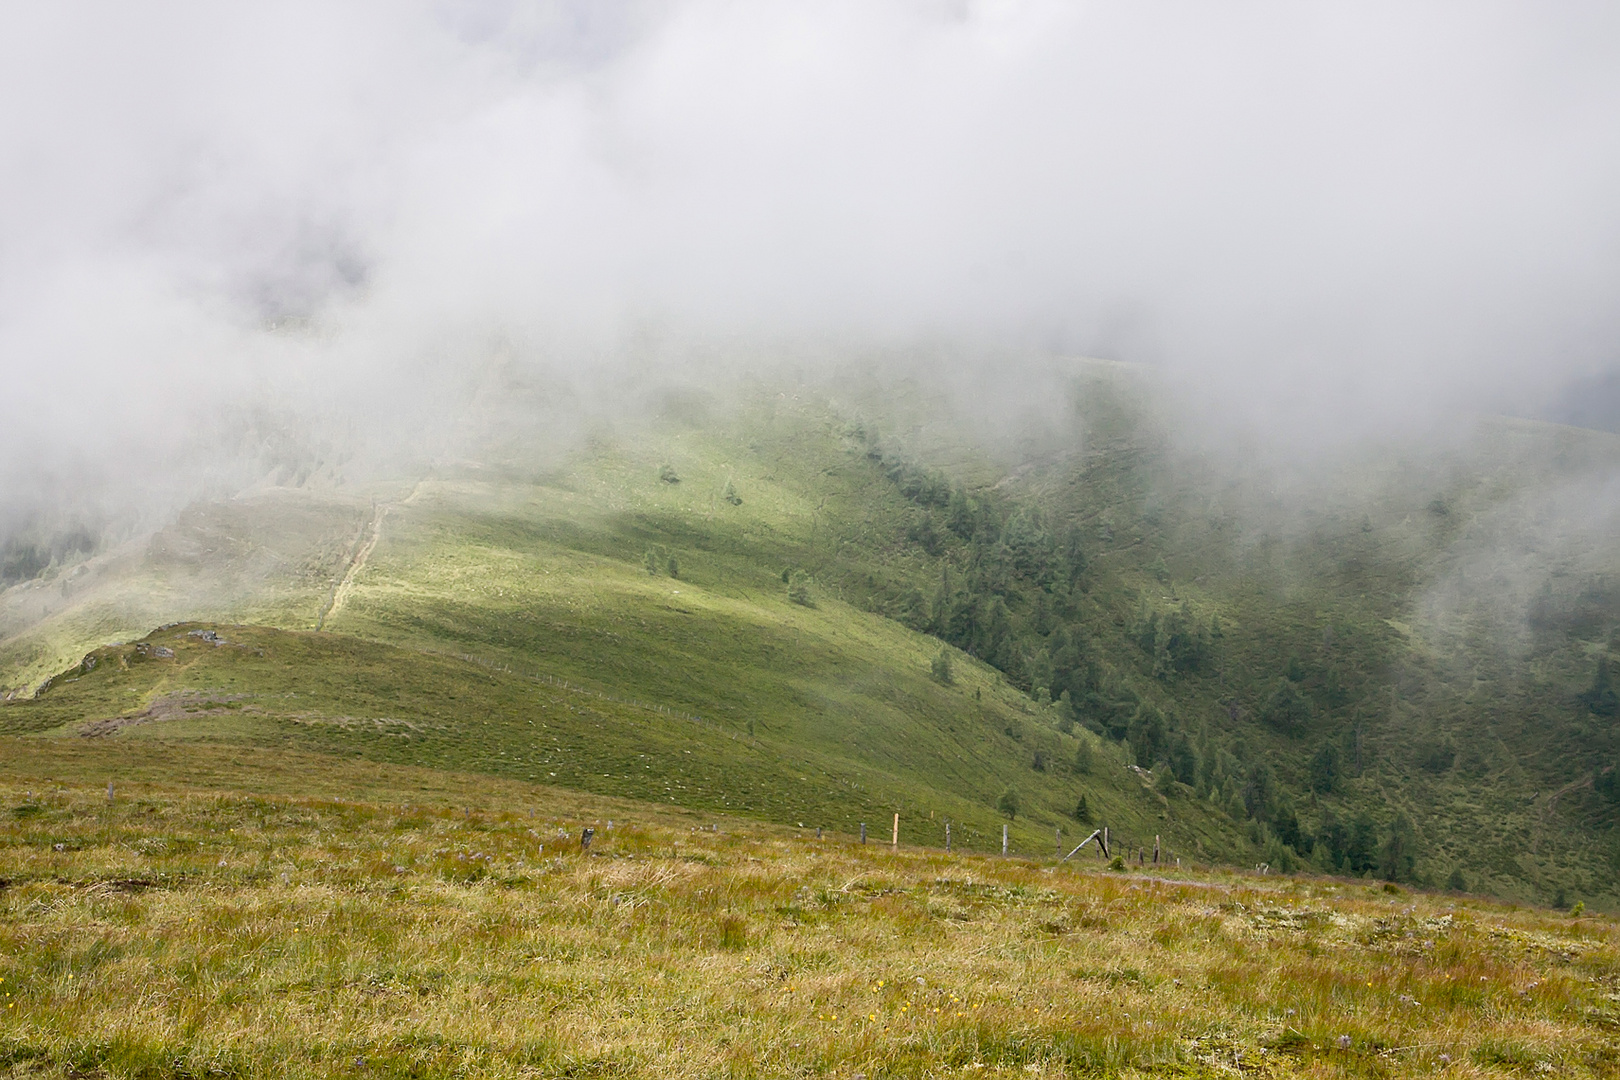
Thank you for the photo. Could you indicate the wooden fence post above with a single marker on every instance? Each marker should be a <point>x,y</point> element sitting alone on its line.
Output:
<point>1096,835</point>
<point>1058,835</point>
<point>947,838</point>
<point>863,832</point>
<point>1105,842</point>
<point>894,844</point>
<point>1004,839</point>
<point>1155,849</point>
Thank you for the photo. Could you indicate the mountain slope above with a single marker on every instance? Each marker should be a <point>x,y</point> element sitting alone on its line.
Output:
<point>1380,664</point>
<point>931,753</point>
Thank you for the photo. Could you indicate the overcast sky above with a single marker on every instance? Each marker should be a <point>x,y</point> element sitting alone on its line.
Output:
<point>1347,214</point>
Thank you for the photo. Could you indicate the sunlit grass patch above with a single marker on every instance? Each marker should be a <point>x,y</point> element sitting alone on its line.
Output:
<point>254,935</point>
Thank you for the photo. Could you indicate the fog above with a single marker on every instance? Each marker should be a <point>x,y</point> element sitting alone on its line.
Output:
<point>227,229</point>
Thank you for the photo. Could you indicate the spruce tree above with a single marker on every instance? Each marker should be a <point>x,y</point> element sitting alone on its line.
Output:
<point>1398,860</point>
<point>1082,812</point>
<point>1084,757</point>
<point>1324,775</point>
<point>1601,697</point>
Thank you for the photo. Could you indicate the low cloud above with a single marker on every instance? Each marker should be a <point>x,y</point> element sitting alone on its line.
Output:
<point>226,225</point>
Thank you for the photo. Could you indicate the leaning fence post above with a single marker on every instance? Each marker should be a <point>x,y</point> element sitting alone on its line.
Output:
<point>1105,842</point>
<point>1097,835</point>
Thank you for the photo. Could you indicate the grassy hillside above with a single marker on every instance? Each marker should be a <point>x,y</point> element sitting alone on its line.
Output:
<point>1383,665</point>
<point>302,915</point>
<point>932,753</point>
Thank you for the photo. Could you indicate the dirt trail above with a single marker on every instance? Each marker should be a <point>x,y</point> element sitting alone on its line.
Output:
<point>366,542</point>
<point>1552,807</point>
<point>1552,803</point>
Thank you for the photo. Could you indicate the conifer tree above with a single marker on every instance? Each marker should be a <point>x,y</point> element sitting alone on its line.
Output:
<point>1601,697</point>
<point>1084,758</point>
<point>1082,812</point>
<point>1398,860</point>
<point>1324,775</point>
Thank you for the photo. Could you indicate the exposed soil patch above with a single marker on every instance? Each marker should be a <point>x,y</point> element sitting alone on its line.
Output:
<point>176,706</point>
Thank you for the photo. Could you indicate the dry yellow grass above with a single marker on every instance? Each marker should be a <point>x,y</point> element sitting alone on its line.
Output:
<point>180,932</point>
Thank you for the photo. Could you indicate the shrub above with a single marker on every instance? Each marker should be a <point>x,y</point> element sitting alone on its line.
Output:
<point>1436,756</point>
<point>799,591</point>
<point>667,474</point>
<point>940,668</point>
<point>1007,803</point>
